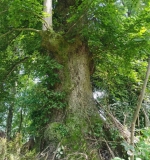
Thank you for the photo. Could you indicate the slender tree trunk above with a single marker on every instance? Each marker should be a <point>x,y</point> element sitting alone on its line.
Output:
<point>20,122</point>
<point>136,113</point>
<point>146,117</point>
<point>48,17</point>
<point>9,120</point>
<point>10,114</point>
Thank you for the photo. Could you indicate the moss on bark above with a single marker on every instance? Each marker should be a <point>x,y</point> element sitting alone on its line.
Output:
<point>81,113</point>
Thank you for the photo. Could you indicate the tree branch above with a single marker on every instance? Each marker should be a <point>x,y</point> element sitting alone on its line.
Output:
<point>5,34</point>
<point>27,29</point>
<point>3,11</point>
<point>13,67</point>
<point>20,29</point>
<point>84,12</point>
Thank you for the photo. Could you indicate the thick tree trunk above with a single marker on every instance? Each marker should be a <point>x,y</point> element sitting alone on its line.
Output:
<point>81,111</point>
<point>80,96</point>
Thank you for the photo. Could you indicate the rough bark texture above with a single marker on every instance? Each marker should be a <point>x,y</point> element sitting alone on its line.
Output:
<point>10,113</point>
<point>80,79</point>
<point>9,121</point>
<point>81,96</point>
<point>81,111</point>
<point>20,122</point>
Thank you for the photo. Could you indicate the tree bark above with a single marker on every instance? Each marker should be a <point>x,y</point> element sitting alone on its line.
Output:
<point>48,18</point>
<point>9,121</point>
<point>10,114</point>
<point>146,117</point>
<point>21,120</point>
<point>81,111</point>
<point>81,96</point>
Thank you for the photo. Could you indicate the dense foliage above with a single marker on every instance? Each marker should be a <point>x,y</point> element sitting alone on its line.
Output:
<point>33,66</point>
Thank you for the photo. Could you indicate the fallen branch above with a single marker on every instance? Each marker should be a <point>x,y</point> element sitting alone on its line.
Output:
<point>56,151</point>
<point>42,154</point>
<point>110,150</point>
<point>125,133</point>
<point>76,153</point>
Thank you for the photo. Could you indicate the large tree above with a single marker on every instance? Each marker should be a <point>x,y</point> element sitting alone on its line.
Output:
<point>83,33</point>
